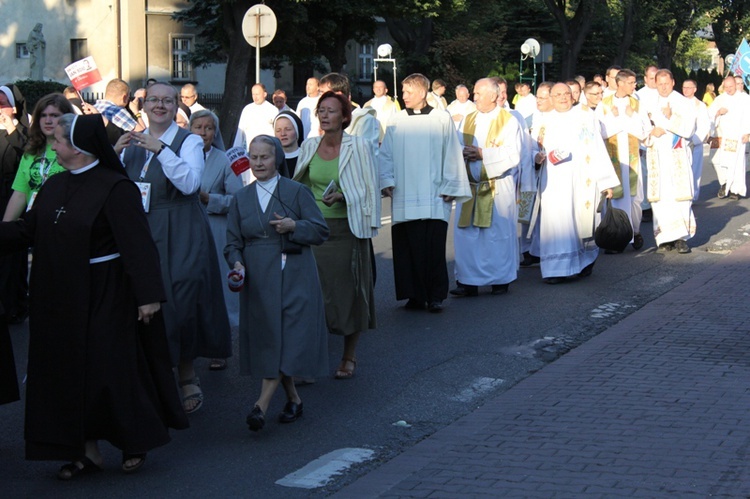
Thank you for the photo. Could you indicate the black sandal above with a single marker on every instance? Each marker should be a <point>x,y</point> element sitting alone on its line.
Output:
<point>72,470</point>
<point>132,469</point>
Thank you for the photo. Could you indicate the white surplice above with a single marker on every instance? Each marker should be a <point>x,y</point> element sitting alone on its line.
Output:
<point>487,256</point>
<point>729,160</point>
<point>570,191</point>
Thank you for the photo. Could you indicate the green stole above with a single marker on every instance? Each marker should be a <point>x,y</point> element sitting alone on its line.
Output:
<point>482,191</point>
<point>634,160</point>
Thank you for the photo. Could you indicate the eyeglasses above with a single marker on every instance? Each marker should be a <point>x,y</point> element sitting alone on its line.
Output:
<point>165,101</point>
<point>183,97</point>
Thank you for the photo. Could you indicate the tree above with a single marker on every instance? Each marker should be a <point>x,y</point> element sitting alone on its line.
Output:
<point>573,30</point>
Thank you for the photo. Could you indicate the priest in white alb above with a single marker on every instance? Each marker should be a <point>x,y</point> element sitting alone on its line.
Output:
<point>485,236</point>
<point>730,113</point>
<point>624,127</point>
<point>670,174</point>
<point>575,172</point>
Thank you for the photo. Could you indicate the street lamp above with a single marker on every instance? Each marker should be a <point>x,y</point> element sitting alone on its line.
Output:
<point>529,48</point>
<point>384,55</point>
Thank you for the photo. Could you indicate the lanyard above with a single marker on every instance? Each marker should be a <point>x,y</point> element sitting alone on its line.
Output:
<point>44,172</point>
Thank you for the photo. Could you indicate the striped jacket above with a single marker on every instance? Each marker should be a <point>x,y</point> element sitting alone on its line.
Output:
<point>358,181</point>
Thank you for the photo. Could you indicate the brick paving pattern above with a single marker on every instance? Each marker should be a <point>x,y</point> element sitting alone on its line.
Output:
<point>655,406</point>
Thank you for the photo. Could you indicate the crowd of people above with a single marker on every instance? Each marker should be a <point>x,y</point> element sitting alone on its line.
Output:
<point>132,204</point>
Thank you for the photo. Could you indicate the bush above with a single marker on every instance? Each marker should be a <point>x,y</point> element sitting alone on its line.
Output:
<point>34,90</point>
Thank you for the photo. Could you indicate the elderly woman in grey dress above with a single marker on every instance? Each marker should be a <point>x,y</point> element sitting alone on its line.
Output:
<point>270,227</point>
<point>218,185</point>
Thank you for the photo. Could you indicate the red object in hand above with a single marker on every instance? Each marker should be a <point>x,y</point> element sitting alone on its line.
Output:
<point>236,280</point>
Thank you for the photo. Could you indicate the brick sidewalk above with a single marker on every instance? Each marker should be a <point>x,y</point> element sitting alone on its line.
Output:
<point>656,406</point>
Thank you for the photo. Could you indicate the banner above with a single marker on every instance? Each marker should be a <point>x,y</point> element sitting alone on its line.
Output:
<point>238,160</point>
<point>83,73</point>
<point>741,64</point>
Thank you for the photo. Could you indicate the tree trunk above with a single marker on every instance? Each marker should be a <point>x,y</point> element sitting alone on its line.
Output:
<point>627,31</point>
<point>573,30</point>
<point>238,65</point>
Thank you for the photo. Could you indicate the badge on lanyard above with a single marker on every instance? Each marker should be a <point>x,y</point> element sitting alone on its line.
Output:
<point>145,188</point>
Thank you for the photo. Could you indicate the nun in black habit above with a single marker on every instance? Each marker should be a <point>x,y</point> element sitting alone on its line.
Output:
<point>99,366</point>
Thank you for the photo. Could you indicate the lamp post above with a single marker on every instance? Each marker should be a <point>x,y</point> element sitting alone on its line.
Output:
<point>529,48</point>
<point>384,55</point>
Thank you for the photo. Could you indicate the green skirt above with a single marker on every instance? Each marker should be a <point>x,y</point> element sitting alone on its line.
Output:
<point>345,268</point>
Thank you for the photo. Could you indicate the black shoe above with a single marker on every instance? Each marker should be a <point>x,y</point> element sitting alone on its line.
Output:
<point>722,192</point>
<point>291,413</point>
<point>553,280</point>
<point>664,248</point>
<point>256,420</point>
<point>529,260</point>
<point>413,304</point>
<point>435,307</point>
<point>734,196</point>
<point>499,289</point>
<point>647,215</point>
<point>464,290</point>
<point>681,246</point>
<point>587,270</point>
<point>637,242</point>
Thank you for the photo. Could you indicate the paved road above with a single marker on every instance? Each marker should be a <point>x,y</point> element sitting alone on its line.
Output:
<point>425,370</point>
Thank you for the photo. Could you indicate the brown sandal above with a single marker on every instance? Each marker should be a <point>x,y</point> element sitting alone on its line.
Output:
<point>342,372</point>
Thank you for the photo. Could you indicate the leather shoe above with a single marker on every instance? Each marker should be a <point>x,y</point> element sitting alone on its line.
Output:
<point>587,270</point>
<point>681,246</point>
<point>499,289</point>
<point>529,260</point>
<point>256,420</point>
<point>413,304</point>
<point>291,413</point>
<point>435,307</point>
<point>637,242</point>
<point>464,290</point>
<point>553,280</point>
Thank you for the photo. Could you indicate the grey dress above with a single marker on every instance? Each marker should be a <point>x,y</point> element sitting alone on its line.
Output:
<point>282,318</point>
<point>220,182</point>
<point>194,314</point>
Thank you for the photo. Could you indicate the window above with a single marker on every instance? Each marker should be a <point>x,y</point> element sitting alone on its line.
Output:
<point>182,68</point>
<point>79,49</point>
<point>21,51</point>
<point>364,69</point>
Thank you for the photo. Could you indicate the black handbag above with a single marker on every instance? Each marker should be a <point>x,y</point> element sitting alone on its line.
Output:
<point>615,230</point>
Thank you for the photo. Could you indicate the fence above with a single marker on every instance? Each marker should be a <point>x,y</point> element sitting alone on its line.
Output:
<point>209,101</point>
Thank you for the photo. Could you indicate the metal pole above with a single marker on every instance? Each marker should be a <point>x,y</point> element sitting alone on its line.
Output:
<point>257,46</point>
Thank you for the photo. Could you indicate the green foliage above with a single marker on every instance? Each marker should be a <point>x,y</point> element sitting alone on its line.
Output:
<point>33,90</point>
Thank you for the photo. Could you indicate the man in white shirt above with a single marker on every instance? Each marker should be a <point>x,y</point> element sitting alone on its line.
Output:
<point>189,97</point>
<point>462,106</point>
<point>702,128</point>
<point>279,100</point>
<point>384,105</point>
<point>730,113</point>
<point>306,108</point>
<point>256,118</point>
<point>647,95</point>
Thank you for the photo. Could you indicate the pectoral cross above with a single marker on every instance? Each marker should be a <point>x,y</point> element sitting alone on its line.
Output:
<point>59,212</point>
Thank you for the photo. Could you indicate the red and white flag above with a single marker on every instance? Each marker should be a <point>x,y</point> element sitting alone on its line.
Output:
<point>83,73</point>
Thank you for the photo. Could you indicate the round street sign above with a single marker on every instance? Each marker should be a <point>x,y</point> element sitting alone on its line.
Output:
<point>259,25</point>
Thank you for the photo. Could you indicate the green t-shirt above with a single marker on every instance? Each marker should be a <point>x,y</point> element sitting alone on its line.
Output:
<point>34,170</point>
<point>319,175</point>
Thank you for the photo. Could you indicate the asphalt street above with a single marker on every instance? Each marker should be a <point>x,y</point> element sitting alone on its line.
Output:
<point>416,373</point>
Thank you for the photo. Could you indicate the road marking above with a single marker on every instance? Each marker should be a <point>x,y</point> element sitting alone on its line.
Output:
<point>479,387</point>
<point>320,471</point>
<point>608,310</point>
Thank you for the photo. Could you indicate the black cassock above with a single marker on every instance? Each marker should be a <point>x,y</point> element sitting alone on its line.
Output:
<point>94,371</point>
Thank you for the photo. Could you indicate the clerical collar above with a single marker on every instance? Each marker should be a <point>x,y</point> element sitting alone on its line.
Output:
<point>425,110</point>
<point>85,168</point>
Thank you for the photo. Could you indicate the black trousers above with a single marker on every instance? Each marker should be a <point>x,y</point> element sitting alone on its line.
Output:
<point>419,266</point>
